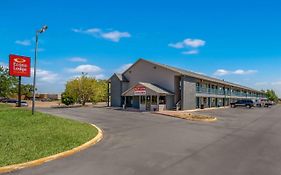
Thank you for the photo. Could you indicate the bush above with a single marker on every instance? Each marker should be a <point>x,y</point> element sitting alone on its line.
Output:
<point>66,99</point>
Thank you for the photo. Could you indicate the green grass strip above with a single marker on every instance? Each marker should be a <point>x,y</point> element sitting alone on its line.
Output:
<point>24,137</point>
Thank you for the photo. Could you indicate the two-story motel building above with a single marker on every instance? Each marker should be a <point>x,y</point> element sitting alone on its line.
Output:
<point>150,86</point>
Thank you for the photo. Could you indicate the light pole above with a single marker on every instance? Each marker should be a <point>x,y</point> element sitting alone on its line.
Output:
<point>43,29</point>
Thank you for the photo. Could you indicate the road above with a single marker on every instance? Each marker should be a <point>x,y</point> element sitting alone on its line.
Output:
<point>242,142</point>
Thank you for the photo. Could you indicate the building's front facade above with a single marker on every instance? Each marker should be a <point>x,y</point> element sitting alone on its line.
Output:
<point>151,86</point>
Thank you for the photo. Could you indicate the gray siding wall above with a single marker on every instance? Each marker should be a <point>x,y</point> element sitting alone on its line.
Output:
<point>116,91</point>
<point>188,93</point>
<point>125,86</point>
<point>147,72</point>
<point>169,102</point>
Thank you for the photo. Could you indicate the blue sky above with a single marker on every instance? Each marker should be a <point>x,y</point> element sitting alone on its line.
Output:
<point>238,41</point>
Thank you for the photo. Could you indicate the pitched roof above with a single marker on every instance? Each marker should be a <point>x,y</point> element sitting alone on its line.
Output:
<point>121,77</point>
<point>155,88</point>
<point>196,75</point>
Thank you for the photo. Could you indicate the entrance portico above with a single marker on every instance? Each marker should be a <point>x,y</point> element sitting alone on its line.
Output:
<point>147,97</point>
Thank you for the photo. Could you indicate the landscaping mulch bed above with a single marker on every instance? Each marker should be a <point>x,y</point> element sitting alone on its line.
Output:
<point>188,116</point>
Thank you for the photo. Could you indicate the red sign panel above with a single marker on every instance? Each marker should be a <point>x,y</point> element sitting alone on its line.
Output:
<point>19,66</point>
<point>139,90</point>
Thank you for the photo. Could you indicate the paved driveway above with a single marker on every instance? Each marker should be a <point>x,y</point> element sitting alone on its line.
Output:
<point>242,141</point>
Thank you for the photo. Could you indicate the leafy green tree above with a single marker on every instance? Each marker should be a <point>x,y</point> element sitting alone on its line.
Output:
<point>7,83</point>
<point>271,95</point>
<point>100,91</point>
<point>86,89</point>
<point>81,89</point>
<point>26,90</point>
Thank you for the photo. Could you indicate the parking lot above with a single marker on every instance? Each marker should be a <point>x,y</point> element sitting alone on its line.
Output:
<point>242,141</point>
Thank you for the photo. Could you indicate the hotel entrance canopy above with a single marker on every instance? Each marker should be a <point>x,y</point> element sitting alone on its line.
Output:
<point>145,89</point>
<point>147,97</point>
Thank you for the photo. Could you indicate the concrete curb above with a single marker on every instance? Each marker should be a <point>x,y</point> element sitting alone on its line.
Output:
<point>191,119</point>
<point>206,109</point>
<point>40,161</point>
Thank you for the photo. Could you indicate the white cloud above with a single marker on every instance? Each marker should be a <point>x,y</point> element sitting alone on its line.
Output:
<point>178,45</point>
<point>100,76</point>
<point>191,45</point>
<point>91,31</point>
<point>124,67</point>
<point>244,72</point>
<point>45,75</point>
<point>190,52</point>
<point>194,43</point>
<point>78,59</point>
<point>114,36</point>
<point>86,68</point>
<point>23,42</point>
<point>223,72</point>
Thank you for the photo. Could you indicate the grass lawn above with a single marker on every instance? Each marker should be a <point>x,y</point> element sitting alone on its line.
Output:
<point>24,137</point>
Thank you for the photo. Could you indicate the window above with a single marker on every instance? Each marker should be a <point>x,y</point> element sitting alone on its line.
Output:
<point>154,100</point>
<point>197,87</point>
<point>142,99</point>
<point>162,100</point>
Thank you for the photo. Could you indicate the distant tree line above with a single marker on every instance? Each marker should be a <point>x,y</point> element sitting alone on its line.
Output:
<point>271,95</point>
<point>9,85</point>
<point>84,89</point>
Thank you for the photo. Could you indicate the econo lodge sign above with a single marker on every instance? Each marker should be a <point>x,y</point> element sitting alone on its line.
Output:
<point>19,65</point>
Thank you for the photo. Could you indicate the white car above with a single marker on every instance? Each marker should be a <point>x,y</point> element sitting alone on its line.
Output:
<point>23,104</point>
<point>264,102</point>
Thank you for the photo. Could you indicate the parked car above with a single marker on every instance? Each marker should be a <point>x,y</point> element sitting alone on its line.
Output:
<point>242,103</point>
<point>46,100</point>
<point>23,103</point>
<point>3,99</point>
<point>268,104</point>
<point>264,102</point>
<point>10,101</point>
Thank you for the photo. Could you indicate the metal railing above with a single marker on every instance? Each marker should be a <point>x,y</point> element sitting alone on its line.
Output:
<point>226,92</point>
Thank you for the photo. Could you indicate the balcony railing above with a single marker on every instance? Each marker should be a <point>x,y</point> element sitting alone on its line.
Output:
<point>225,92</point>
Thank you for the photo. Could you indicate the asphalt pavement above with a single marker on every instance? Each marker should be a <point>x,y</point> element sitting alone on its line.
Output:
<point>242,142</point>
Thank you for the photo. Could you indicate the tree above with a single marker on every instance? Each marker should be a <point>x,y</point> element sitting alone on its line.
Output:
<point>26,90</point>
<point>81,89</point>
<point>100,91</point>
<point>86,89</point>
<point>7,83</point>
<point>271,95</point>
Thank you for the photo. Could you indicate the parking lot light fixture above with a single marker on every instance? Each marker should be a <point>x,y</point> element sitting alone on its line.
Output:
<point>42,30</point>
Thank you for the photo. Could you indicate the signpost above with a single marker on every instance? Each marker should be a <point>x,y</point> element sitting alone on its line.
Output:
<point>19,66</point>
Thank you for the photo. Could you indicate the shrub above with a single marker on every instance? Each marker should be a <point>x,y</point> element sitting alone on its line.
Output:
<point>66,99</point>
